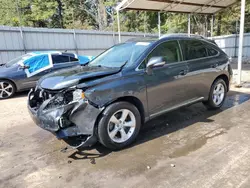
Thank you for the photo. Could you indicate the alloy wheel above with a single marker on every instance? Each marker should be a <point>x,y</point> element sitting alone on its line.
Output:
<point>121,126</point>
<point>6,90</point>
<point>218,94</point>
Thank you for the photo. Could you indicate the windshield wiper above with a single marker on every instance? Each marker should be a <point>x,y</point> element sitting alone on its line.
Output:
<point>2,64</point>
<point>86,64</point>
<point>124,64</point>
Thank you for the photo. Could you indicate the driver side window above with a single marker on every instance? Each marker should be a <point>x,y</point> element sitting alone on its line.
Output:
<point>168,50</point>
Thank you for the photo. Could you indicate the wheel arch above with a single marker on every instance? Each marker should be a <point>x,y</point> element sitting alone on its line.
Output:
<point>14,84</point>
<point>130,99</point>
<point>136,102</point>
<point>223,77</point>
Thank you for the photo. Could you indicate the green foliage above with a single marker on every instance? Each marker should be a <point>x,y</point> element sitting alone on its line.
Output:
<point>8,13</point>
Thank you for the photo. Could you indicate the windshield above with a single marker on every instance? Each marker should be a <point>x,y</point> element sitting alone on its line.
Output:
<point>17,60</point>
<point>120,54</point>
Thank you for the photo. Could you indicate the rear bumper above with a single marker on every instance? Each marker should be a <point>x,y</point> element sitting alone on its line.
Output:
<point>76,119</point>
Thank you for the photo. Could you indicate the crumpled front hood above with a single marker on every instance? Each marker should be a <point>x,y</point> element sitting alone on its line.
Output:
<point>73,76</point>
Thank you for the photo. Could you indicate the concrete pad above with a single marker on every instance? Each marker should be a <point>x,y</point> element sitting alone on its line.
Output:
<point>190,147</point>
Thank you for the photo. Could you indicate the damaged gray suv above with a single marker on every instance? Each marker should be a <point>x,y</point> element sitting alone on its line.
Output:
<point>110,98</point>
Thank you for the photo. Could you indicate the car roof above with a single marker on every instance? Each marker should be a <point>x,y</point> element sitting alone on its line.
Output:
<point>44,52</point>
<point>143,39</point>
<point>171,36</point>
<point>186,36</point>
<point>52,52</point>
<point>182,35</point>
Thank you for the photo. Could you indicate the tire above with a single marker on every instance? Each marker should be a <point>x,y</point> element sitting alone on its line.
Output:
<point>7,89</point>
<point>110,133</point>
<point>211,103</point>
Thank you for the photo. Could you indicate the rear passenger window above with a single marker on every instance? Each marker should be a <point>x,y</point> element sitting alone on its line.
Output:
<point>72,59</point>
<point>60,59</point>
<point>211,51</point>
<point>193,49</point>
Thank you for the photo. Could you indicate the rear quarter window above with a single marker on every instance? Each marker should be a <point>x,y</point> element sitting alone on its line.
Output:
<point>212,52</point>
<point>73,59</point>
<point>60,59</point>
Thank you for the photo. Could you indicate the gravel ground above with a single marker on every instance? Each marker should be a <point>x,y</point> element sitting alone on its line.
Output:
<point>190,147</point>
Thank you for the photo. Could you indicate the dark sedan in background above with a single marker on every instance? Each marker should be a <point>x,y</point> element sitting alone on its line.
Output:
<point>23,72</point>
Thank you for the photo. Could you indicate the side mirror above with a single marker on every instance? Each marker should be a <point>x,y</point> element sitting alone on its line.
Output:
<point>154,62</point>
<point>25,67</point>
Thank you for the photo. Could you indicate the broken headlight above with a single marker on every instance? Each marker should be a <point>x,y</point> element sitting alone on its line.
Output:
<point>73,95</point>
<point>78,95</point>
<point>65,97</point>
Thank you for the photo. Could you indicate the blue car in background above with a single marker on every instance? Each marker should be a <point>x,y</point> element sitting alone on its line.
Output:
<point>23,72</point>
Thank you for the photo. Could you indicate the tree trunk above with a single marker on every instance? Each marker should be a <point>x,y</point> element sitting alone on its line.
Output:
<point>60,9</point>
<point>218,33</point>
<point>102,15</point>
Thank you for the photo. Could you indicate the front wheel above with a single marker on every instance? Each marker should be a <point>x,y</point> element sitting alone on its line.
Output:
<point>119,125</point>
<point>217,95</point>
<point>7,89</point>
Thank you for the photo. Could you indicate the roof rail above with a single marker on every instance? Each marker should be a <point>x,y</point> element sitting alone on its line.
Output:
<point>182,35</point>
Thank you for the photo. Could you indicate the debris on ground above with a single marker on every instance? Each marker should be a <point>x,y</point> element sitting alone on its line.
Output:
<point>69,161</point>
<point>172,165</point>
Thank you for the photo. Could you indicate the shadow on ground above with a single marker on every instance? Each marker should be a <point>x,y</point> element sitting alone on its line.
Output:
<point>168,123</point>
<point>21,94</point>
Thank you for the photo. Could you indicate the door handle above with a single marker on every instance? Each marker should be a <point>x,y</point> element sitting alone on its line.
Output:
<point>183,72</point>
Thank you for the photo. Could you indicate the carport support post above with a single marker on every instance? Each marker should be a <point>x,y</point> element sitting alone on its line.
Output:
<point>240,53</point>
<point>74,35</point>
<point>159,24</point>
<point>118,25</point>
<point>189,25</point>
<point>145,14</point>
<point>23,41</point>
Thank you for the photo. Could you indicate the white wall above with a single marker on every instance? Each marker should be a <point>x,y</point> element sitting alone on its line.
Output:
<point>230,43</point>
<point>84,42</point>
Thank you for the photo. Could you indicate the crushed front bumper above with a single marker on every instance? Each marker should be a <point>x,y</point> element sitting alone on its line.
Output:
<point>75,119</point>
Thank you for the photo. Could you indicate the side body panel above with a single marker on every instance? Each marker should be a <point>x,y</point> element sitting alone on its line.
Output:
<point>203,71</point>
<point>124,84</point>
<point>202,74</point>
<point>166,87</point>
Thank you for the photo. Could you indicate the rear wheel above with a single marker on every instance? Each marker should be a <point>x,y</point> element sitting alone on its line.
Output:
<point>119,125</point>
<point>7,89</point>
<point>217,95</point>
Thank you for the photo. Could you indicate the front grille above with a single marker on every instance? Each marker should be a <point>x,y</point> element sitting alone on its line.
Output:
<point>56,102</point>
<point>58,98</point>
<point>45,95</point>
<point>39,96</point>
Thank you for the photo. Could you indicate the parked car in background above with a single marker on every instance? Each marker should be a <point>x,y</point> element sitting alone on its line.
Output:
<point>23,72</point>
<point>112,96</point>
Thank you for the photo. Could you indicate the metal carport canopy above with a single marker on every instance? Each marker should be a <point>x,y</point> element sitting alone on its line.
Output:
<point>189,7</point>
<point>181,6</point>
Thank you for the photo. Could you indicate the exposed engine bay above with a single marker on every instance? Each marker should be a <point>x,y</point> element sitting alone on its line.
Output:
<point>64,113</point>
